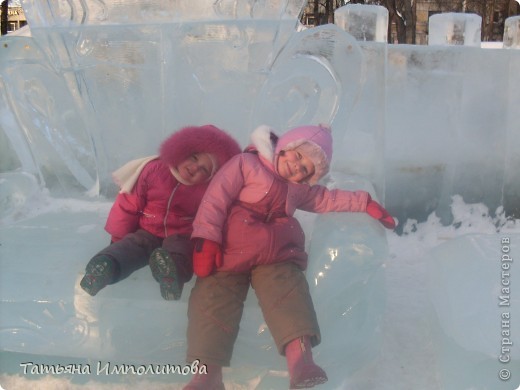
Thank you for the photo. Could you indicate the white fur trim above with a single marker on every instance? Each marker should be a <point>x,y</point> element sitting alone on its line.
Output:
<point>261,139</point>
<point>126,176</point>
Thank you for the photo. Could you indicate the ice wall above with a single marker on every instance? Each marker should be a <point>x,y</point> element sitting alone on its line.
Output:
<point>451,128</point>
<point>92,75</point>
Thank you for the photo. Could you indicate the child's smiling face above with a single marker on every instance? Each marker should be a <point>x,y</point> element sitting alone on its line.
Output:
<point>294,166</point>
<point>195,169</point>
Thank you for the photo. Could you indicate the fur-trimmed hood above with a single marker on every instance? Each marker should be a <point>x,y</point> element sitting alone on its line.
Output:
<point>198,139</point>
<point>177,148</point>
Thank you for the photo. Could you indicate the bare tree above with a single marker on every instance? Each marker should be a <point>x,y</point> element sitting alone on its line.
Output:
<point>397,17</point>
<point>323,10</point>
<point>4,7</point>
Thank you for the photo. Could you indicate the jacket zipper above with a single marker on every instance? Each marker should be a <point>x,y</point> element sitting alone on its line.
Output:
<point>168,209</point>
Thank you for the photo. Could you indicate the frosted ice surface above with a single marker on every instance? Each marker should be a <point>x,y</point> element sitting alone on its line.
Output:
<point>347,254</point>
<point>475,302</point>
<point>454,29</point>
<point>512,32</point>
<point>17,191</point>
<point>441,141</point>
<point>364,22</point>
<point>153,65</point>
<point>48,133</point>
<point>44,311</point>
<point>316,76</point>
<point>95,12</point>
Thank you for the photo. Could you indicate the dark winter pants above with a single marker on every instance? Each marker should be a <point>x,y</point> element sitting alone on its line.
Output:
<point>217,302</point>
<point>133,252</point>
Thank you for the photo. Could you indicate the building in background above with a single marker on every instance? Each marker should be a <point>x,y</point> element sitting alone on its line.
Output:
<point>12,17</point>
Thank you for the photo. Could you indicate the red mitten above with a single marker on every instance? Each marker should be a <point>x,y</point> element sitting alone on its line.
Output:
<point>376,211</point>
<point>207,256</point>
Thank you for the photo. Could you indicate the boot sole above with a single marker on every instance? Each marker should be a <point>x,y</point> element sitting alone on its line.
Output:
<point>309,382</point>
<point>165,272</point>
<point>95,278</point>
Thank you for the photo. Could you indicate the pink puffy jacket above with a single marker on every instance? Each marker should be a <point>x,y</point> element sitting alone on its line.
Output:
<point>249,209</point>
<point>158,204</point>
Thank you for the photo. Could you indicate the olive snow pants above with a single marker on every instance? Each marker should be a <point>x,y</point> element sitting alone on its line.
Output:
<point>133,252</point>
<point>217,302</point>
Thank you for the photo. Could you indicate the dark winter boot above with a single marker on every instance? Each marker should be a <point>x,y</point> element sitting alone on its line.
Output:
<point>99,272</point>
<point>164,270</point>
<point>210,381</point>
<point>303,371</point>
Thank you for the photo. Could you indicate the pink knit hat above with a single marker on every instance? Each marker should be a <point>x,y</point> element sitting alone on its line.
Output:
<point>199,139</point>
<point>314,142</point>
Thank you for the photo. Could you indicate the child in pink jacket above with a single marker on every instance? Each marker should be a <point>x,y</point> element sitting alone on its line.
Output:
<point>151,219</point>
<point>246,234</point>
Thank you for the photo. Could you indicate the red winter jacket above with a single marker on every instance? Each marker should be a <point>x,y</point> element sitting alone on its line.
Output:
<point>158,204</point>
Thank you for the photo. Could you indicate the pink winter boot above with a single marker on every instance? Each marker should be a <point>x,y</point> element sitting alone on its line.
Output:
<point>302,369</point>
<point>210,381</point>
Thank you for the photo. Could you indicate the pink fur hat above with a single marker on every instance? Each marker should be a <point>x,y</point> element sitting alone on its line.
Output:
<point>314,142</point>
<point>199,139</point>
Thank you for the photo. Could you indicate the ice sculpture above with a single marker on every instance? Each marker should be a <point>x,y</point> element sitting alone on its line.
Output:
<point>512,32</point>
<point>101,82</point>
<point>477,307</point>
<point>347,282</point>
<point>96,73</point>
<point>364,22</point>
<point>454,29</point>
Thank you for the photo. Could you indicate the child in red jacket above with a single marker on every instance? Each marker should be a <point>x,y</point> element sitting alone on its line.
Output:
<point>246,235</point>
<point>151,219</point>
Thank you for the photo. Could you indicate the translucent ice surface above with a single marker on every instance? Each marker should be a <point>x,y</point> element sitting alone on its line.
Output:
<point>423,128</point>
<point>46,313</point>
<point>87,79</point>
<point>454,29</point>
<point>472,290</point>
<point>346,276</point>
<point>364,22</point>
<point>512,32</point>
<point>95,12</point>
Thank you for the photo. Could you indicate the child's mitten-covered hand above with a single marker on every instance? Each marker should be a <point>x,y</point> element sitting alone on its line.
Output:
<point>376,211</point>
<point>207,256</point>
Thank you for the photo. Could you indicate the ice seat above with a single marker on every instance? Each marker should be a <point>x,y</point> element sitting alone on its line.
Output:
<point>45,312</point>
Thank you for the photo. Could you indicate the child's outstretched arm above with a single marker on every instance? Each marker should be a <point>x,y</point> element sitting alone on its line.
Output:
<point>319,199</point>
